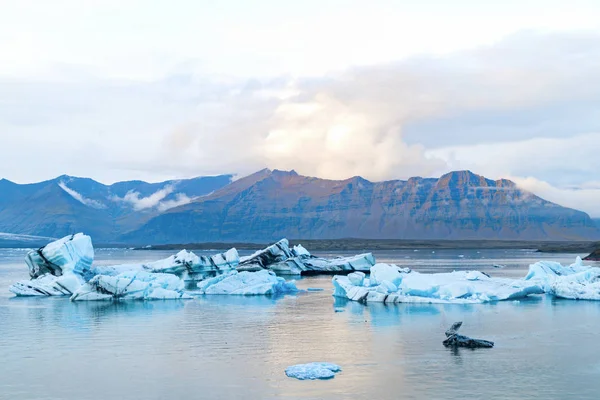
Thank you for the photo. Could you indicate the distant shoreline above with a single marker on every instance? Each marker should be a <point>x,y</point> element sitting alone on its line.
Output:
<point>395,244</point>
<point>360,245</point>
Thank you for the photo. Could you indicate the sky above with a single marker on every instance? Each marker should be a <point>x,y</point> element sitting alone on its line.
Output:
<point>155,90</point>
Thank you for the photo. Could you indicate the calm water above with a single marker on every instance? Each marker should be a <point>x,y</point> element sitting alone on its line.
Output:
<point>238,347</point>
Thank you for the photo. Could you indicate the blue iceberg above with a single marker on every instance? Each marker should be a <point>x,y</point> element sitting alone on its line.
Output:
<point>58,268</point>
<point>391,284</point>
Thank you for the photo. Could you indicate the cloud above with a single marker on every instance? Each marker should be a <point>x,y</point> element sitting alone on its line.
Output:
<point>523,106</point>
<point>155,200</point>
<point>83,200</point>
<point>180,200</point>
<point>578,198</point>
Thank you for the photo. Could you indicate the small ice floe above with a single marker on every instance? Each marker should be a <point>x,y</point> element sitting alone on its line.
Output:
<point>461,256</point>
<point>453,339</point>
<point>314,289</point>
<point>499,266</point>
<point>312,371</point>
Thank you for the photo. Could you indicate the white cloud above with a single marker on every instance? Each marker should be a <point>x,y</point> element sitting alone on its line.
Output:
<point>180,200</point>
<point>351,122</point>
<point>155,200</point>
<point>146,40</point>
<point>568,161</point>
<point>587,199</point>
<point>83,200</point>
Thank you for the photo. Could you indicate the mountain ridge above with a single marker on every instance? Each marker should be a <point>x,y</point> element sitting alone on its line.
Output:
<point>273,203</point>
<point>67,204</point>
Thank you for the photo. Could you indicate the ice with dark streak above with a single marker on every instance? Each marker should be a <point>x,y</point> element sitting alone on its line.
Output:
<point>58,268</point>
<point>132,285</point>
<point>298,261</point>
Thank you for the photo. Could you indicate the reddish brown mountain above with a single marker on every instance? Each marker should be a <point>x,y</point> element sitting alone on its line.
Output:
<point>269,205</point>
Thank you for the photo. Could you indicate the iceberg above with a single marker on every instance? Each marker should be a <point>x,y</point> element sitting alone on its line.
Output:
<point>391,284</point>
<point>314,265</point>
<point>576,281</point>
<point>262,259</point>
<point>298,261</point>
<point>312,371</point>
<point>134,285</point>
<point>71,254</point>
<point>47,285</point>
<point>184,264</point>
<point>64,268</point>
<point>247,283</point>
<point>57,269</point>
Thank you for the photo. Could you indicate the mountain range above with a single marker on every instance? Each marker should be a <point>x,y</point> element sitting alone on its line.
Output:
<point>66,205</point>
<point>271,204</point>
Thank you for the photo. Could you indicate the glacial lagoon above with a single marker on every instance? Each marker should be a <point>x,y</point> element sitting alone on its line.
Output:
<point>227,347</point>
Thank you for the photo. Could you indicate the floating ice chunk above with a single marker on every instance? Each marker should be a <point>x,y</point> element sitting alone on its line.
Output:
<point>48,285</point>
<point>584,285</point>
<point>247,283</point>
<point>184,264</point>
<point>273,254</point>
<point>414,287</point>
<point>576,290</point>
<point>312,371</point>
<point>356,278</point>
<point>297,261</point>
<point>360,262</point>
<point>385,272</point>
<point>71,254</point>
<point>57,269</point>
<point>134,285</point>
<point>386,287</point>
<point>560,280</point>
<point>300,251</point>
